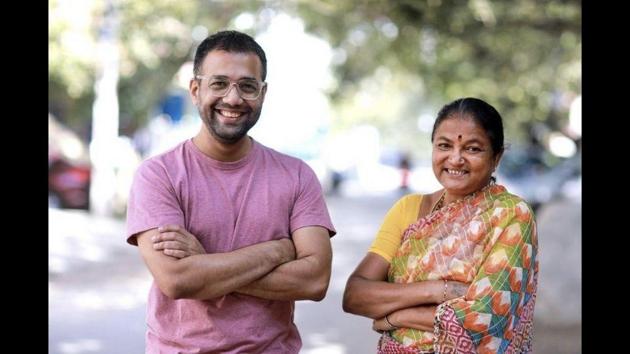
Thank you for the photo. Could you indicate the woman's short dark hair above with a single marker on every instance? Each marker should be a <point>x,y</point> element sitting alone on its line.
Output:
<point>229,41</point>
<point>481,112</point>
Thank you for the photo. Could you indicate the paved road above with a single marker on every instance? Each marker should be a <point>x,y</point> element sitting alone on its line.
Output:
<point>98,284</point>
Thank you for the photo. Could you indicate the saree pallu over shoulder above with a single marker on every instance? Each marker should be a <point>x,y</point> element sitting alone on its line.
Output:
<point>487,239</point>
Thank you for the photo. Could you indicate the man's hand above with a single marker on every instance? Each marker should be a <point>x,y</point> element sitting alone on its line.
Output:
<point>305,276</point>
<point>287,249</point>
<point>176,242</point>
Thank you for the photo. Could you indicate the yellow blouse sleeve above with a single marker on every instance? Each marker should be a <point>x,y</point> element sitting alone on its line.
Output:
<point>397,219</point>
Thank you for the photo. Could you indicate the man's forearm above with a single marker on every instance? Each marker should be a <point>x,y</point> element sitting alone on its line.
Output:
<point>302,279</point>
<point>208,276</point>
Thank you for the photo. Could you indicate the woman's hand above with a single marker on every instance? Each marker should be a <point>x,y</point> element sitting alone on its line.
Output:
<point>176,242</point>
<point>454,289</point>
<point>381,325</point>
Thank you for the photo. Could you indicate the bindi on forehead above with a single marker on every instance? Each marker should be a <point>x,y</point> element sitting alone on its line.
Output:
<point>459,137</point>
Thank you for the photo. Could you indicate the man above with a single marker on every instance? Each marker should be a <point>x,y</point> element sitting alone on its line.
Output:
<point>233,232</point>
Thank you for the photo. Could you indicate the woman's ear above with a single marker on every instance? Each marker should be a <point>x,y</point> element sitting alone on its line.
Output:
<point>497,159</point>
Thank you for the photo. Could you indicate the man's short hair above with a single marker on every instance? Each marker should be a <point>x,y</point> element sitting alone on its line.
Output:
<point>229,41</point>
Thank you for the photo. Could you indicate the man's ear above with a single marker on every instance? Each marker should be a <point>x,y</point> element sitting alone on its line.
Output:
<point>193,90</point>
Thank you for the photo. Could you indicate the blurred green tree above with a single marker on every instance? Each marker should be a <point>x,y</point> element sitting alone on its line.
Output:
<point>395,61</point>
<point>155,38</point>
<point>522,56</point>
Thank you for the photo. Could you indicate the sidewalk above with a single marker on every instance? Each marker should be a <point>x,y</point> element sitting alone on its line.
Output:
<point>98,286</point>
<point>558,314</point>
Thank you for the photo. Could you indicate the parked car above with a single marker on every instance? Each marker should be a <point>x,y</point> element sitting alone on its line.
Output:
<point>536,183</point>
<point>69,168</point>
<point>69,184</point>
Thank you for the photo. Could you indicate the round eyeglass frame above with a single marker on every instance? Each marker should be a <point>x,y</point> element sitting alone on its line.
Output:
<point>234,84</point>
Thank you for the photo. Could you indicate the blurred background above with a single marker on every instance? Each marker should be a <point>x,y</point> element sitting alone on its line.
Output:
<point>354,88</point>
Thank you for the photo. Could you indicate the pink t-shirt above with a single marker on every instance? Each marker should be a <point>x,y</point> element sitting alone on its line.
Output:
<point>227,205</point>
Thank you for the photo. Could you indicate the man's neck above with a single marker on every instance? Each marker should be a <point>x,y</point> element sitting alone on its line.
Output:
<point>217,150</point>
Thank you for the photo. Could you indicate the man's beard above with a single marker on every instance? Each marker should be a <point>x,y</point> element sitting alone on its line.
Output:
<point>229,134</point>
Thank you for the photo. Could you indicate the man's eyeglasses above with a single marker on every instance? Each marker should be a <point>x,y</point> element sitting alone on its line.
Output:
<point>248,89</point>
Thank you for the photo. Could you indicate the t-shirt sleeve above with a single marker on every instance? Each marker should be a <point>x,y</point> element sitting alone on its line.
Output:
<point>310,208</point>
<point>152,201</point>
<point>397,219</point>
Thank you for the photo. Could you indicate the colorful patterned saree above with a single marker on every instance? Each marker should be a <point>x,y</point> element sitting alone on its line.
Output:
<point>487,239</point>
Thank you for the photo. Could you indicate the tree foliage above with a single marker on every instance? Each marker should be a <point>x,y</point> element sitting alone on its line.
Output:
<point>155,39</point>
<point>522,56</point>
<point>394,60</point>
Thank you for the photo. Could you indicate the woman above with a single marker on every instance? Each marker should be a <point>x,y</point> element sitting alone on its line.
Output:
<point>454,271</point>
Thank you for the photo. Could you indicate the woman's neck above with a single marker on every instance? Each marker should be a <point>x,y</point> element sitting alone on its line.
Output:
<point>450,197</point>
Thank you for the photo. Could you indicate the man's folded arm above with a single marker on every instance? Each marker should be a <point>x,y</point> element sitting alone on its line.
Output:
<point>305,278</point>
<point>207,276</point>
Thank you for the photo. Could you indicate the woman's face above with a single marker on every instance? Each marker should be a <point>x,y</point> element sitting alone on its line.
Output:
<point>462,156</point>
